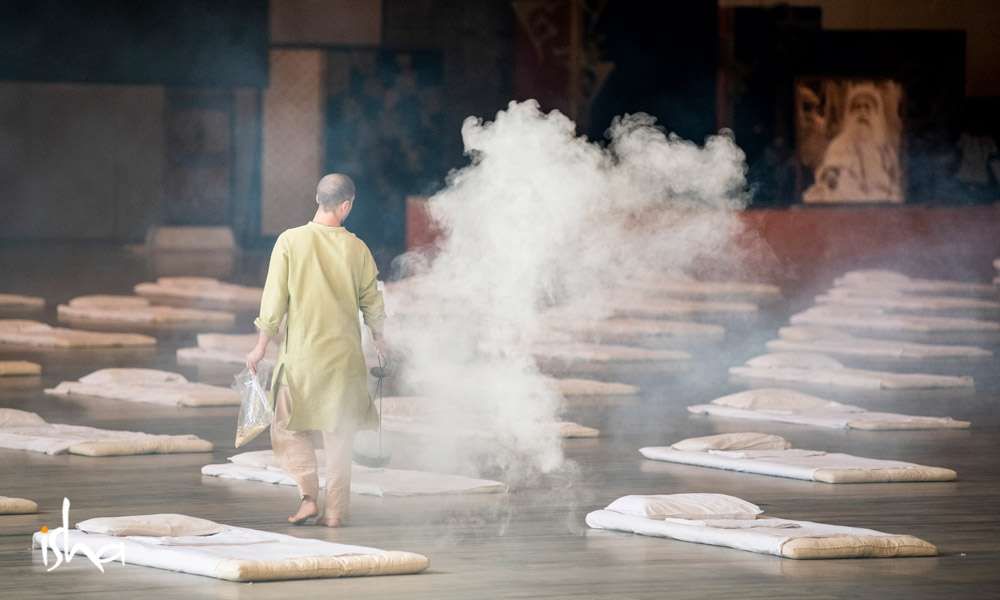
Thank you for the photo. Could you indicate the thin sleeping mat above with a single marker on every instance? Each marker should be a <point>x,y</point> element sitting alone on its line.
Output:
<point>19,368</point>
<point>819,369</point>
<point>126,311</point>
<point>17,302</point>
<point>837,343</point>
<point>790,406</point>
<point>203,292</point>
<point>261,466</point>
<point>907,303</point>
<point>577,358</point>
<point>41,335</point>
<point>882,280</point>
<point>22,430</point>
<point>150,386</point>
<point>870,322</point>
<point>691,288</point>
<point>241,554</point>
<point>641,332</point>
<point>779,537</point>
<point>419,415</point>
<point>17,506</point>
<point>223,349</point>
<point>808,465</point>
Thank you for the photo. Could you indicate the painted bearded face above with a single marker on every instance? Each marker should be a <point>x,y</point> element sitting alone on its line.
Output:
<point>862,114</point>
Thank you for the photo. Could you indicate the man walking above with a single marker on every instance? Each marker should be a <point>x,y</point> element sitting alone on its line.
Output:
<point>319,277</point>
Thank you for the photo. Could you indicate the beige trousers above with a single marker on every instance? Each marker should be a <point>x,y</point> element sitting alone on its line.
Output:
<point>296,453</point>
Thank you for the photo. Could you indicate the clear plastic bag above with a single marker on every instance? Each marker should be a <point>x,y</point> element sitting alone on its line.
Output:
<point>256,412</point>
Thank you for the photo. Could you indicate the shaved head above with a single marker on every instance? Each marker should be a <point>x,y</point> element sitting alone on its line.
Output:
<point>333,190</point>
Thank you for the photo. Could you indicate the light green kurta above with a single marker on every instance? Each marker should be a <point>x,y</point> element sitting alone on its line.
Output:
<point>319,277</point>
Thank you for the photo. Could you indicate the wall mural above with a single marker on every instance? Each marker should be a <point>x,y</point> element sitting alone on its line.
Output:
<point>384,128</point>
<point>848,136</point>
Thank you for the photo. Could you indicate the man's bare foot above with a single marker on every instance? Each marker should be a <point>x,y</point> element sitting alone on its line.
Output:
<point>307,510</point>
<point>331,522</point>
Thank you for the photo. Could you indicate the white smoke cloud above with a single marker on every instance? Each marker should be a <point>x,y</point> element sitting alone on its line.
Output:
<point>541,216</point>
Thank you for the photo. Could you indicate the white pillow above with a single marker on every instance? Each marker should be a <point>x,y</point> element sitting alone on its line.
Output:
<point>733,441</point>
<point>132,377</point>
<point>797,360</point>
<point>161,525</point>
<point>777,399</point>
<point>686,506</point>
<point>11,417</point>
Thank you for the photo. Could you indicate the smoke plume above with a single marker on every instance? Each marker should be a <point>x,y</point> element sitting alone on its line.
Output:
<point>541,217</point>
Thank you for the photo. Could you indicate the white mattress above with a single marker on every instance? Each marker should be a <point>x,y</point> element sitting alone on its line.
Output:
<point>364,480</point>
<point>809,465</point>
<point>201,291</point>
<point>891,280</point>
<point>850,417</point>
<point>240,554</point>
<point>233,342</point>
<point>151,386</point>
<point>417,415</point>
<point>578,358</point>
<point>426,427</point>
<point>827,340</point>
<point>640,331</point>
<point>819,369</point>
<point>37,334</point>
<point>17,506</point>
<point>791,406</point>
<point>854,378</point>
<point>10,368</point>
<point>203,239</point>
<point>779,537</point>
<point>690,288</point>
<point>224,349</point>
<point>871,320</point>
<point>571,352</point>
<point>570,387</point>
<point>195,356</point>
<point>639,307</point>
<point>53,438</point>
<point>12,301</point>
<point>128,312</point>
<point>902,302</point>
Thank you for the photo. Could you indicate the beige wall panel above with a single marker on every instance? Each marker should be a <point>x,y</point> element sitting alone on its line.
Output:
<point>292,139</point>
<point>336,22</point>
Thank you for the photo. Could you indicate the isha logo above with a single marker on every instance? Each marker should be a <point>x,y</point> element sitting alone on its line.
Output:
<point>50,543</point>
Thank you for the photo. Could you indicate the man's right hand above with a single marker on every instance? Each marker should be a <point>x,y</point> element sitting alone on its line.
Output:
<point>254,357</point>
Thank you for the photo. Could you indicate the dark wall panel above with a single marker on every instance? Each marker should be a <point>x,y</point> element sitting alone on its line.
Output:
<point>665,56</point>
<point>181,42</point>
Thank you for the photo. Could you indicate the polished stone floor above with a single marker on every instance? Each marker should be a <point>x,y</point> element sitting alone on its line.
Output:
<point>531,543</point>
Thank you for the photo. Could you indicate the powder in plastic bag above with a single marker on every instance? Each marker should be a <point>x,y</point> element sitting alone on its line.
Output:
<point>256,412</point>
